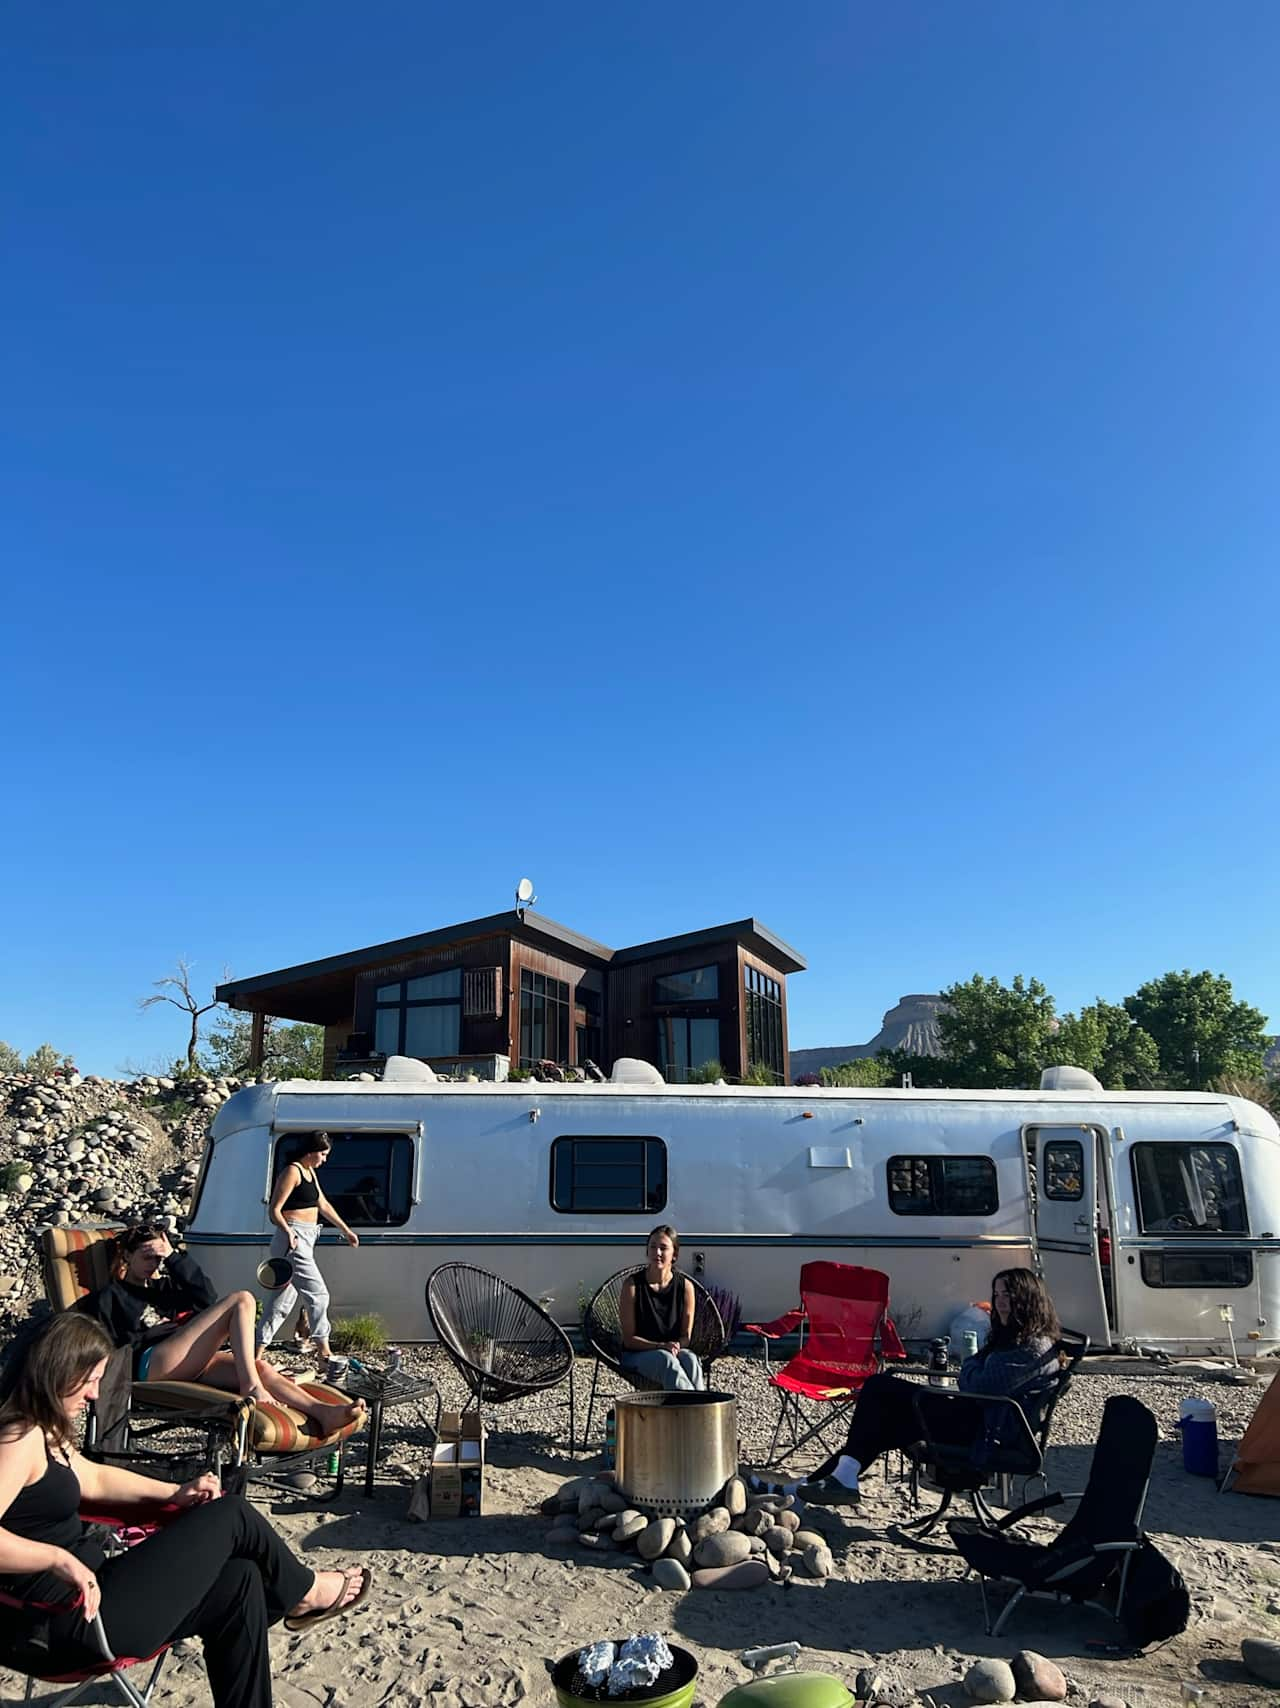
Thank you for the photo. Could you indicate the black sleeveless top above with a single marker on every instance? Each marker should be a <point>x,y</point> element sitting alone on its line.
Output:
<point>48,1510</point>
<point>305,1195</point>
<point>658,1314</point>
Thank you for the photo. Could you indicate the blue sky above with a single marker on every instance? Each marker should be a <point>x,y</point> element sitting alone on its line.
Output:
<point>817,463</point>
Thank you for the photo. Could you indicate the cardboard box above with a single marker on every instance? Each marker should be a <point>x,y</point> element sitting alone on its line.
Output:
<point>456,1478</point>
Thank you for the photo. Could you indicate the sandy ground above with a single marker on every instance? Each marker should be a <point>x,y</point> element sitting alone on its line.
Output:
<point>465,1612</point>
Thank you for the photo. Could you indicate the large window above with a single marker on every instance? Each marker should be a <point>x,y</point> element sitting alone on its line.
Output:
<point>686,1042</point>
<point>1197,1268</point>
<point>419,1017</point>
<point>1189,1189</point>
<point>764,1021</point>
<point>942,1186</point>
<point>695,984</point>
<point>544,1019</point>
<point>621,1177</point>
<point>368,1177</point>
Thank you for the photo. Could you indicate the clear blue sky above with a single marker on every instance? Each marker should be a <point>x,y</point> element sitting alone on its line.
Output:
<point>817,462</point>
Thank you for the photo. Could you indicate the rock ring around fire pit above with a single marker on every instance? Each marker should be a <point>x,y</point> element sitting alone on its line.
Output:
<point>675,1452</point>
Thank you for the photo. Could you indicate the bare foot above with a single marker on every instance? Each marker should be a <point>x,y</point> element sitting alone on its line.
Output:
<point>330,1590</point>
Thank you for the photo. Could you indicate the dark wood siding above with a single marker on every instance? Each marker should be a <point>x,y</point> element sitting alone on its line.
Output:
<point>479,1037</point>
<point>631,1014</point>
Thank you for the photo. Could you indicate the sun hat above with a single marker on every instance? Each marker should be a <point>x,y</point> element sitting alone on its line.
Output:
<point>275,1272</point>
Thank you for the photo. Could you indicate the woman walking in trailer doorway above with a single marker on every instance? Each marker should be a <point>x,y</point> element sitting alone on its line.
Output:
<point>297,1206</point>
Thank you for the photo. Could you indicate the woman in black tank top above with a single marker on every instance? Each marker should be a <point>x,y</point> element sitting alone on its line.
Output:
<point>216,1570</point>
<point>298,1205</point>
<point>657,1318</point>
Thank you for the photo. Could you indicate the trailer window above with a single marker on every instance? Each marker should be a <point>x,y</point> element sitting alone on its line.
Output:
<point>942,1186</point>
<point>618,1177</point>
<point>1189,1189</point>
<point>1197,1268</point>
<point>368,1177</point>
<point>1064,1169</point>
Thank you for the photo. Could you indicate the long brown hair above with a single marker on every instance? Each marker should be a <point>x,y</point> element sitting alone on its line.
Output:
<point>57,1360</point>
<point>672,1235</point>
<point>1031,1312</point>
<point>125,1244</point>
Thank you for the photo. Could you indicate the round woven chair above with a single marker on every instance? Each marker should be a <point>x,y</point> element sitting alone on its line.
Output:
<point>602,1331</point>
<point>500,1342</point>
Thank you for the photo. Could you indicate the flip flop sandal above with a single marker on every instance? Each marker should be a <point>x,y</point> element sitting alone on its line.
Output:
<point>304,1621</point>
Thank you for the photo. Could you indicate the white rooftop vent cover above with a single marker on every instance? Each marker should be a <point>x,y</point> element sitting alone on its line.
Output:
<point>407,1070</point>
<point>1069,1079</point>
<point>628,1070</point>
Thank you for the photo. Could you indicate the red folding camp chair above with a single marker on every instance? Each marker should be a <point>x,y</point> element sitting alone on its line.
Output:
<point>112,1667</point>
<point>843,1316</point>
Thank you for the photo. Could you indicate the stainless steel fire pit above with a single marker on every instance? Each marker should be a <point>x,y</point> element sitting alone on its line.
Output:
<point>675,1451</point>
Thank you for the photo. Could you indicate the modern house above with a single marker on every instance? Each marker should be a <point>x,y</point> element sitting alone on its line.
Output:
<point>516,989</point>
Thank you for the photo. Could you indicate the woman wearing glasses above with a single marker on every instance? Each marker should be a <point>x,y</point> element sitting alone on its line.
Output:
<point>297,1206</point>
<point>160,1303</point>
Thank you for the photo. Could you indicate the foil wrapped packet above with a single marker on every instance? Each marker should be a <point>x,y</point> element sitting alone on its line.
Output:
<point>641,1662</point>
<point>594,1663</point>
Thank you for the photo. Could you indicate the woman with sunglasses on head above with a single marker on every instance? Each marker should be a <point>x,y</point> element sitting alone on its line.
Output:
<point>297,1205</point>
<point>215,1570</point>
<point>162,1304</point>
<point>1020,1353</point>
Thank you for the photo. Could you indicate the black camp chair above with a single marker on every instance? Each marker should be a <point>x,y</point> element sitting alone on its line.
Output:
<point>501,1343</point>
<point>1097,1546</point>
<point>602,1331</point>
<point>1000,1445</point>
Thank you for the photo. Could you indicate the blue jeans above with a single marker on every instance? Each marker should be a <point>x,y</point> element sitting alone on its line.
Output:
<point>674,1370</point>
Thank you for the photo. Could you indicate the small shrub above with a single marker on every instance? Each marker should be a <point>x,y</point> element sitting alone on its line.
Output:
<point>759,1073</point>
<point>365,1333</point>
<point>707,1074</point>
<point>10,1173</point>
<point>729,1306</point>
<point>517,1074</point>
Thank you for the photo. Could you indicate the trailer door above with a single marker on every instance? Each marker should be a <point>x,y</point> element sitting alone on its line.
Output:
<point>1066,1199</point>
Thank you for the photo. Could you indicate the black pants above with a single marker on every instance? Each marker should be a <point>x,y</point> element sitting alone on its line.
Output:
<point>885,1417</point>
<point>218,1572</point>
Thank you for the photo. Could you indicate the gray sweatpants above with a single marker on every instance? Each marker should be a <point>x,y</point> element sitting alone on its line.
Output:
<point>307,1284</point>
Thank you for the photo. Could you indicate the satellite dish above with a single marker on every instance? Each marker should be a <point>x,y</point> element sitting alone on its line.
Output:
<point>524,892</point>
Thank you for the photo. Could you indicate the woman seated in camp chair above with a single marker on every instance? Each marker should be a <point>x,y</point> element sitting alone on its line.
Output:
<point>160,1303</point>
<point>1020,1346</point>
<point>214,1570</point>
<point>656,1308</point>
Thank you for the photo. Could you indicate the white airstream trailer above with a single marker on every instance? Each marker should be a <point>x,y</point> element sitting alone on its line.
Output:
<point>1151,1215</point>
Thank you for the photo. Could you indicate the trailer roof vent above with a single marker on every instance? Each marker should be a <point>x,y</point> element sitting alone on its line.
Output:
<point>1069,1079</point>
<point>408,1070</point>
<point>628,1070</point>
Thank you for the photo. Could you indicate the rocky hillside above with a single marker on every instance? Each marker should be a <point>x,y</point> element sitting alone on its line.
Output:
<point>76,1150</point>
<point>910,1025</point>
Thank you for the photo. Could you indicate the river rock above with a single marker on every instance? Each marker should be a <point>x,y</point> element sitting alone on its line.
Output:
<point>709,1524</point>
<point>681,1549</point>
<point>1034,1676</point>
<point>1108,1702</point>
<point>607,1522</point>
<point>808,1539</point>
<point>789,1520</point>
<point>754,1522</point>
<point>655,1538</point>
<point>629,1525</point>
<point>612,1501</point>
<point>734,1499</point>
<point>818,1562</point>
<point>869,1685</point>
<point>990,1681</point>
<point>776,1539</point>
<point>1262,1658</point>
<point>670,1574</point>
<point>747,1574</point>
<point>725,1548</point>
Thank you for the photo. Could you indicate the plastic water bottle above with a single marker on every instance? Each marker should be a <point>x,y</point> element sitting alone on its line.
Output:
<point>1198,1421</point>
<point>969,1343</point>
<point>395,1359</point>
<point>331,1464</point>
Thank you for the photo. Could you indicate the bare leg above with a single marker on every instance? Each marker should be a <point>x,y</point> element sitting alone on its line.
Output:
<point>328,1588</point>
<point>186,1354</point>
<point>273,1384</point>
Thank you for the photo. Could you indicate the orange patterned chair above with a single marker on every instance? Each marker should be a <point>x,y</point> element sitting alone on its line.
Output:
<point>265,1439</point>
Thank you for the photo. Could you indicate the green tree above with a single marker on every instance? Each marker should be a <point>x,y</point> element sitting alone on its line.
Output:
<point>1202,1033</point>
<point>995,1035</point>
<point>866,1070</point>
<point>10,1059</point>
<point>1104,1039</point>
<point>288,1051</point>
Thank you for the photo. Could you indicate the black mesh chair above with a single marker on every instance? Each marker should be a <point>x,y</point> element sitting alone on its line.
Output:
<point>1095,1549</point>
<point>602,1331</point>
<point>501,1343</point>
<point>1000,1446</point>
